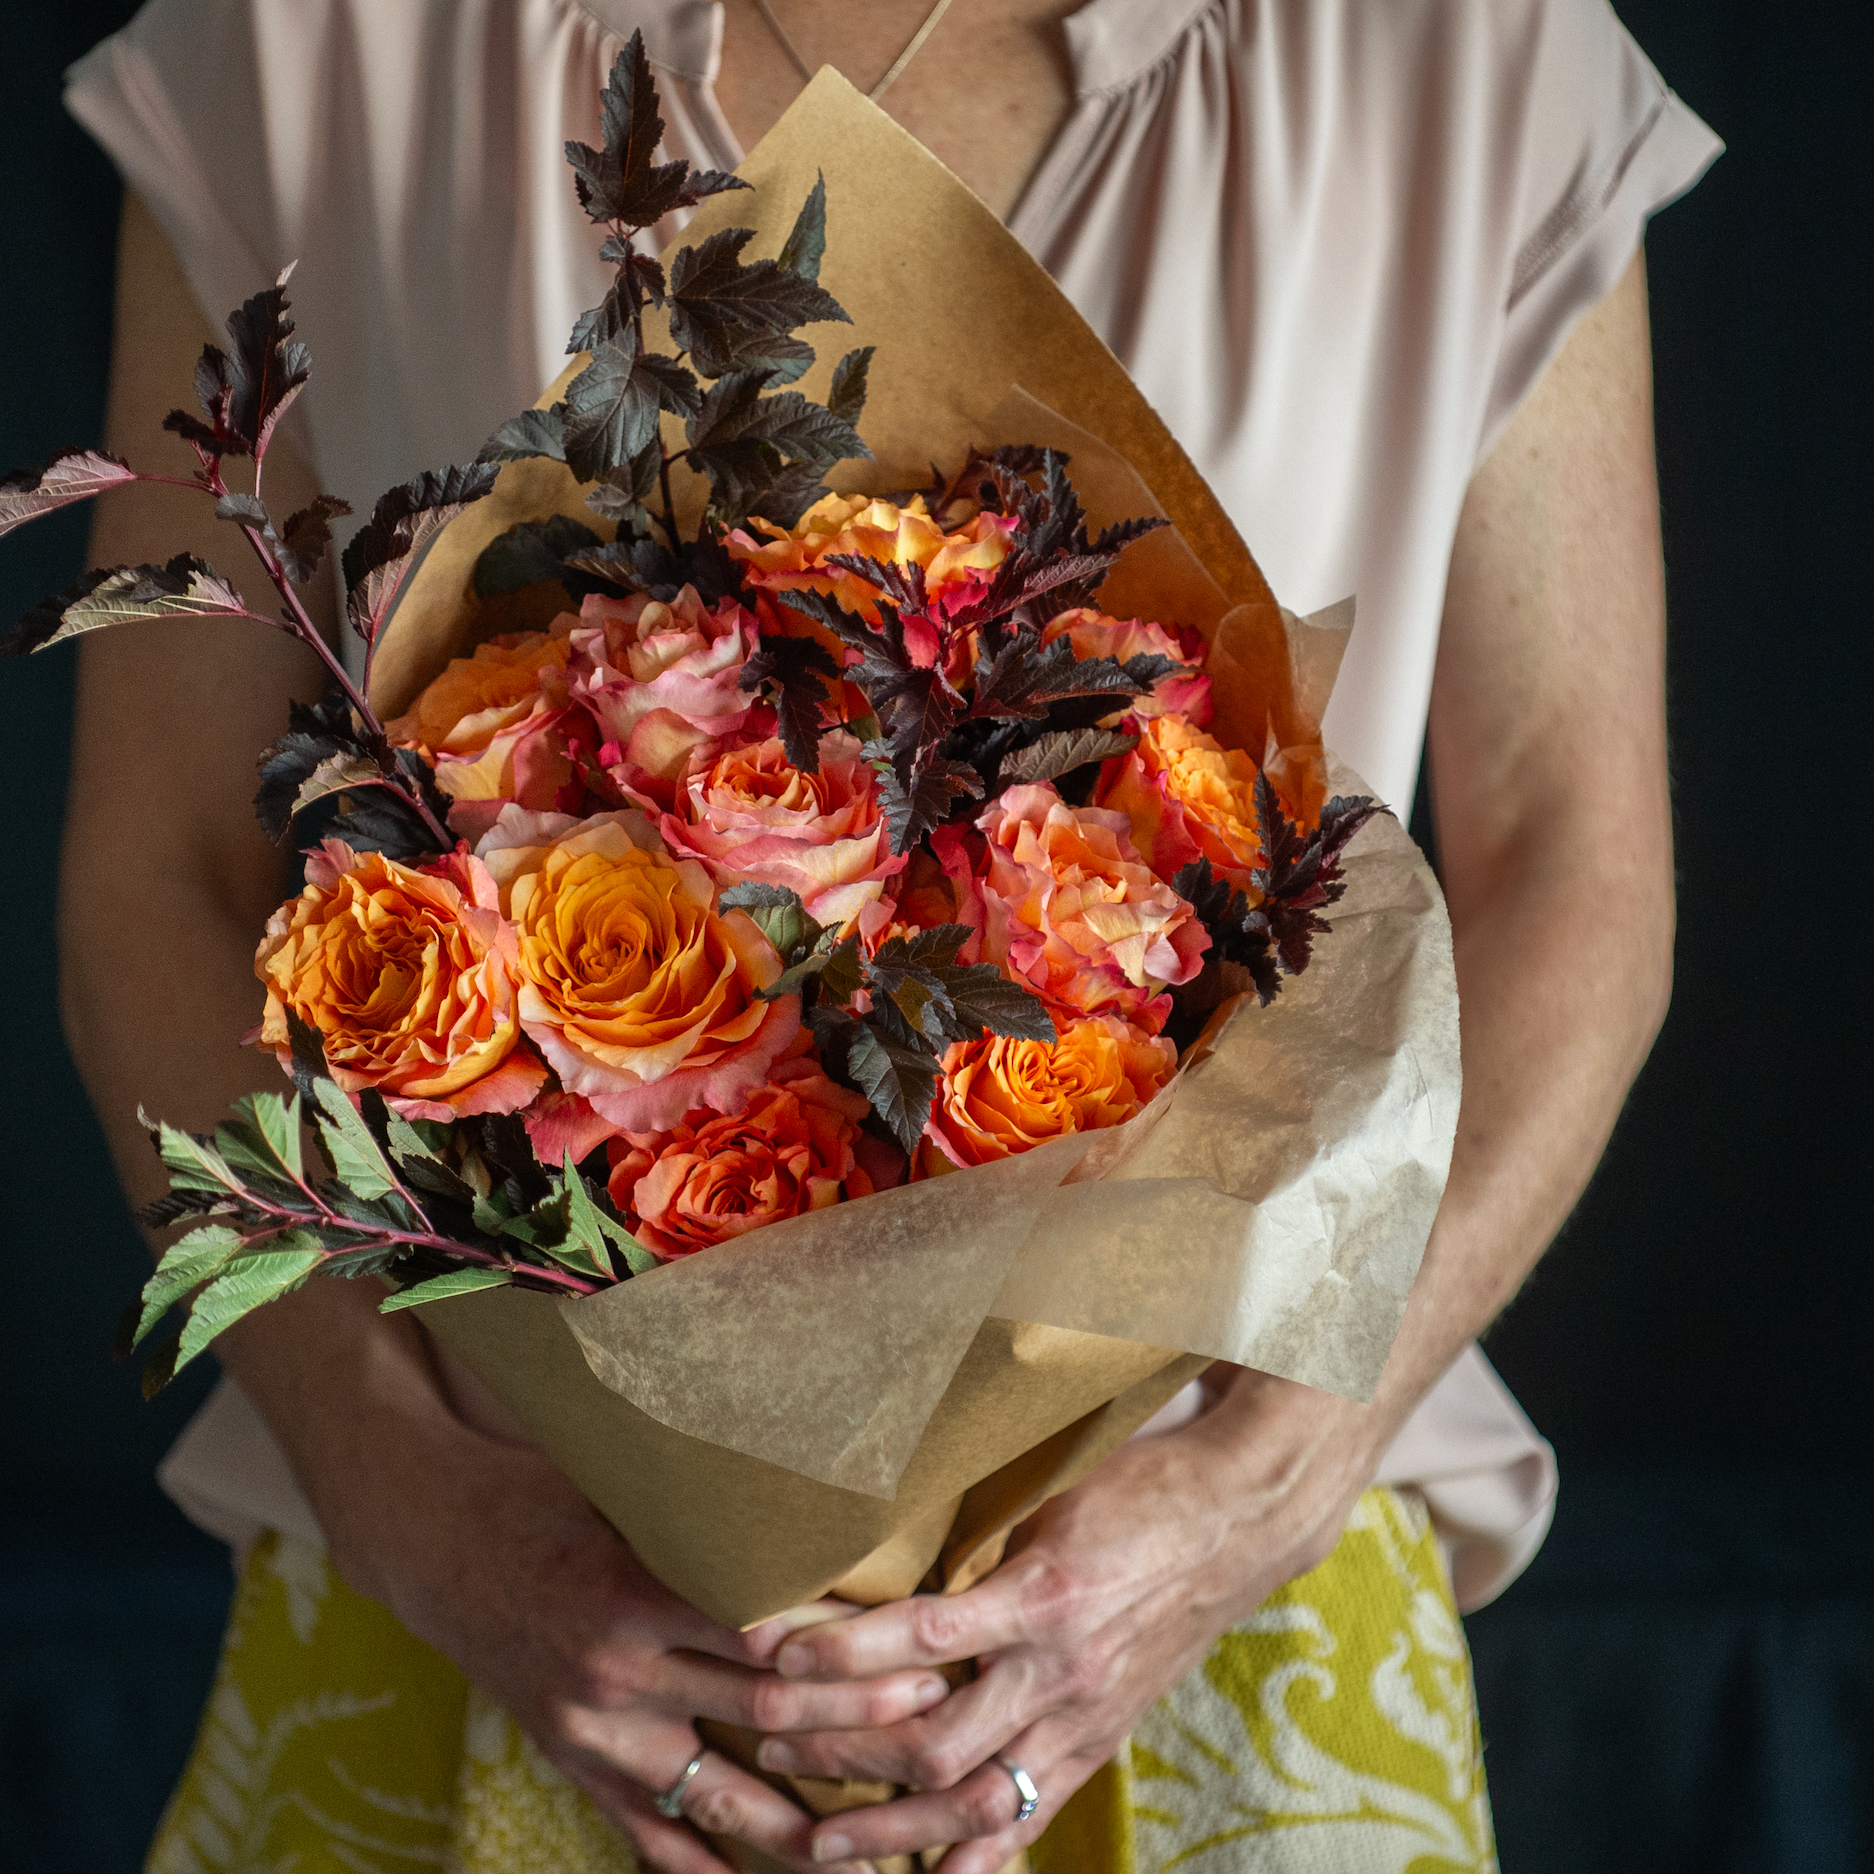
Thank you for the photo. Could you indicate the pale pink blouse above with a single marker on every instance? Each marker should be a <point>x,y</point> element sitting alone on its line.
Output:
<point>1334,241</point>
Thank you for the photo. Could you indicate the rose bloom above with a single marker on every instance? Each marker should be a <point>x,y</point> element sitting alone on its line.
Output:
<point>956,565</point>
<point>1000,1097</point>
<point>1093,634</point>
<point>641,998</point>
<point>660,680</point>
<point>711,1177</point>
<point>499,726</point>
<point>409,977</point>
<point>1185,797</point>
<point>1064,904</point>
<point>750,814</point>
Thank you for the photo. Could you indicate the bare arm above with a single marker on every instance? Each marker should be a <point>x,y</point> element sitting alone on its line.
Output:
<point>480,1547</point>
<point>1548,760</point>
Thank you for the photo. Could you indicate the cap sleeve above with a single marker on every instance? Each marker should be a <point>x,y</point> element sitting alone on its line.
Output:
<point>1605,145</point>
<point>204,177</point>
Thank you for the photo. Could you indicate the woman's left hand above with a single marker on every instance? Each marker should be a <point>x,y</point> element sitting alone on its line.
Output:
<point>1108,1596</point>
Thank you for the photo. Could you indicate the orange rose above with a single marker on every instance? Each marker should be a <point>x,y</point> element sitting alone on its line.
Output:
<point>1093,634</point>
<point>409,976</point>
<point>750,814</point>
<point>956,565</point>
<point>1185,796</point>
<point>1062,902</point>
<point>499,726</point>
<point>790,1150</point>
<point>641,998</point>
<point>1000,1097</point>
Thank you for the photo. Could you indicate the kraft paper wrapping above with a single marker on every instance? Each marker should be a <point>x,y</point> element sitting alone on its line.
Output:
<point>847,1400</point>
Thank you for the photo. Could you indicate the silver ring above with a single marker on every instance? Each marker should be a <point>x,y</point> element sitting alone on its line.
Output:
<point>1024,1788</point>
<point>670,1803</point>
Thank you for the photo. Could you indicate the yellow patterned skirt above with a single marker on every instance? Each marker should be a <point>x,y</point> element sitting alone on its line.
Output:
<point>1335,1733</point>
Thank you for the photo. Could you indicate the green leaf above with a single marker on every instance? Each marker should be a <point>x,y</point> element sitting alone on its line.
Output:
<point>778,914</point>
<point>440,1287</point>
<point>277,1122</point>
<point>836,964</point>
<point>185,588</point>
<point>194,1164</point>
<point>587,1229</point>
<point>248,1282</point>
<point>185,1266</point>
<point>356,1161</point>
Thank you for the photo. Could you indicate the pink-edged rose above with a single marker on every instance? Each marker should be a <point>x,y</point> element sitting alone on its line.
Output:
<point>661,680</point>
<point>641,998</point>
<point>1186,797</point>
<point>1061,900</point>
<point>1093,634</point>
<point>409,975</point>
<point>748,813</point>
<point>789,1150</point>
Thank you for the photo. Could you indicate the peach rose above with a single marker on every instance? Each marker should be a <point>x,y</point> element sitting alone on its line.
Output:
<point>1000,1097</point>
<point>660,680</point>
<point>408,975</point>
<point>956,565</point>
<point>641,998</point>
<point>1093,634</point>
<point>1062,902</point>
<point>499,726</point>
<point>712,1177</point>
<point>749,814</point>
<point>1185,796</point>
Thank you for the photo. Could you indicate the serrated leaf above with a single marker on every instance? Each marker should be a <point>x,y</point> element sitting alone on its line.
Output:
<point>246,1283</point>
<point>307,535</point>
<point>276,1120</point>
<point>984,998</point>
<point>532,433</point>
<point>585,1250</point>
<point>194,1164</point>
<point>71,475</point>
<point>356,1161</point>
<point>910,815</point>
<point>384,552</point>
<point>611,411</point>
<point>1063,750</point>
<point>901,1084</point>
<point>802,673</point>
<point>836,966</point>
<point>717,303</point>
<point>185,588</point>
<point>334,775</point>
<point>529,552</point>
<point>267,368</point>
<point>621,182</point>
<point>805,245</point>
<point>846,398</point>
<point>441,1287</point>
<point>285,769</point>
<point>778,914</point>
<point>185,1266</point>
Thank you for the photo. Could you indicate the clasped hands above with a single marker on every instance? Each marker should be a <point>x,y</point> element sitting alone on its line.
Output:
<point>1107,1597</point>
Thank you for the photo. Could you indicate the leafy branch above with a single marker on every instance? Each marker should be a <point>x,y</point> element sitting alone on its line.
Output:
<point>419,1204</point>
<point>762,449</point>
<point>883,1021</point>
<point>243,393</point>
<point>1298,874</point>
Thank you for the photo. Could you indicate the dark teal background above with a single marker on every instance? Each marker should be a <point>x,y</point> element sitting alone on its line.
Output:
<point>1685,1680</point>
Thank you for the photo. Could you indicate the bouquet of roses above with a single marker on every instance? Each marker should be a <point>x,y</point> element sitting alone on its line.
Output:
<point>700,851</point>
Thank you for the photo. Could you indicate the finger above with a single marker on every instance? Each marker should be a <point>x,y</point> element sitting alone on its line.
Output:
<point>932,1751</point>
<point>990,1854</point>
<point>670,1847</point>
<point>723,1799</point>
<point>764,1641</point>
<point>694,1686</point>
<point>927,1630</point>
<point>984,1804</point>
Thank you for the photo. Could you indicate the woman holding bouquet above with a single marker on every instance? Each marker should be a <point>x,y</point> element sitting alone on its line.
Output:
<point>1378,269</point>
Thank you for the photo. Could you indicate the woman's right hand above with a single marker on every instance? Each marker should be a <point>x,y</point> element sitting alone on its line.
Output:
<point>507,1570</point>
